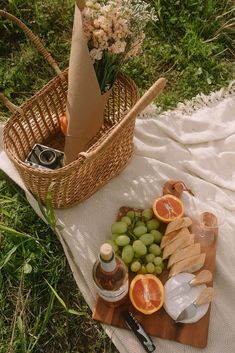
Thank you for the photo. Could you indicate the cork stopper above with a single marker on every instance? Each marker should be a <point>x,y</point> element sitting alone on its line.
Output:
<point>106,252</point>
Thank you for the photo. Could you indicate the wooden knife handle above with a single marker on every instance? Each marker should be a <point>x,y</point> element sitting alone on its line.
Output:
<point>205,276</point>
<point>206,296</point>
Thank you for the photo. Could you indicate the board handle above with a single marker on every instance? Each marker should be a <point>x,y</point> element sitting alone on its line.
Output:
<point>205,276</point>
<point>206,296</point>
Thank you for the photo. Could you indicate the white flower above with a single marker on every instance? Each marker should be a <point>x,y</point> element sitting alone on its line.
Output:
<point>96,54</point>
<point>118,47</point>
<point>115,31</point>
<point>100,39</point>
<point>121,29</point>
<point>93,4</point>
<point>104,23</point>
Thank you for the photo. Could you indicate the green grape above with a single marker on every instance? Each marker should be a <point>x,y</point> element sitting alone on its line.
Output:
<point>152,224</point>
<point>158,270</point>
<point>126,220</point>
<point>122,240</point>
<point>162,265</point>
<point>142,270</point>
<point>137,256</point>
<point>131,215</point>
<point>150,268</point>
<point>147,238</point>
<point>119,227</point>
<point>137,214</point>
<point>149,257</point>
<point>147,214</point>
<point>135,266</point>
<point>157,261</point>
<point>139,247</point>
<point>127,254</point>
<point>114,236</point>
<point>140,223</point>
<point>157,236</point>
<point>113,244</point>
<point>139,230</point>
<point>155,249</point>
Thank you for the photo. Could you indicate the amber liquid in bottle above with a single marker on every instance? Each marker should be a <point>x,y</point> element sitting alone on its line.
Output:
<point>111,277</point>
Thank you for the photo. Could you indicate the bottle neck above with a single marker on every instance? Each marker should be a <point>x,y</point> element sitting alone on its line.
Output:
<point>108,266</point>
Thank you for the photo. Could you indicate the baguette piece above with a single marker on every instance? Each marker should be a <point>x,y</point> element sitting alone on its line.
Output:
<point>178,224</point>
<point>181,254</point>
<point>179,243</point>
<point>167,239</point>
<point>190,265</point>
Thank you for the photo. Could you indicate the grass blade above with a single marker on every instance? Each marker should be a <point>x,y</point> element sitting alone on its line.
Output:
<point>12,231</point>
<point>50,211</point>
<point>20,325</point>
<point>57,296</point>
<point>9,255</point>
<point>75,312</point>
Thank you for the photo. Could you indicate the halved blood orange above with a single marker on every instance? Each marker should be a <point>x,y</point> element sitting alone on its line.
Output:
<point>146,293</point>
<point>168,208</point>
<point>63,124</point>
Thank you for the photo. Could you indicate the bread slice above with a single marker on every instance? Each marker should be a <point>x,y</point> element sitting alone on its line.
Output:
<point>190,265</point>
<point>181,254</point>
<point>167,239</point>
<point>178,224</point>
<point>178,243</point>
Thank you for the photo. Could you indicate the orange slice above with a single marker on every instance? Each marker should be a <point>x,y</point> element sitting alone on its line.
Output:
<point>146,293</point>
<point>63,124</point>
<point>168,208</point>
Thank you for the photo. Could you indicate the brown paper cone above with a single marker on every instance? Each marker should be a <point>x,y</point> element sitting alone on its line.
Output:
<point>85,104</point>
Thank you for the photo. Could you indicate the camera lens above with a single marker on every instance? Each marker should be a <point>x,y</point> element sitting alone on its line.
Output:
<point>47,157</point>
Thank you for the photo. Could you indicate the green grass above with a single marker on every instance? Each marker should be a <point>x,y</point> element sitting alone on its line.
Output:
<point>37,289</point>
<point>192,45</point>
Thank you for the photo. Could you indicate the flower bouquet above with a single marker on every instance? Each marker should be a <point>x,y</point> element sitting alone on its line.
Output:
<point>106,33</point>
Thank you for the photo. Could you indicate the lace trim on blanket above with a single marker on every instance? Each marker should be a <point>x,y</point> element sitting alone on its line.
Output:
<point>190,106</point>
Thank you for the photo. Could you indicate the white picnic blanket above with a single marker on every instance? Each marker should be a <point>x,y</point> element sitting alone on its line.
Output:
<point>194,143</point>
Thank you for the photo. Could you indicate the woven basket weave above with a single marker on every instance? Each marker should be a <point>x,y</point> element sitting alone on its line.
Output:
<point>38,121</point>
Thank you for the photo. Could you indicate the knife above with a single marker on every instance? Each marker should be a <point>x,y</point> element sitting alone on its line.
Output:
<point>207,295</point>
<point>204,276</point>
<point>138,330</point>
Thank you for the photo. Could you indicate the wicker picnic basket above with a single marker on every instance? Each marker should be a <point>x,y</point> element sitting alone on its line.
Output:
<point>38,121</point>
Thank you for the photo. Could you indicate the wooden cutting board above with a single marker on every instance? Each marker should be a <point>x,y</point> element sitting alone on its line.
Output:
<point>160,324</point>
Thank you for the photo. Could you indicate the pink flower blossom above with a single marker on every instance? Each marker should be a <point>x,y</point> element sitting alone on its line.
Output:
<point>118,47</point>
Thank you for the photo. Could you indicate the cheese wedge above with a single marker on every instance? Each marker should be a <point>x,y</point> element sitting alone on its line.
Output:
<point>190,265</point>
<point>167,239</point>
<point>181,254</point>
<point>179,243</point>
<point>178,224</point>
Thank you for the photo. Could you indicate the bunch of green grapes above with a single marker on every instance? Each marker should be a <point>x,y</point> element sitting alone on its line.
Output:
<point>136,239</point>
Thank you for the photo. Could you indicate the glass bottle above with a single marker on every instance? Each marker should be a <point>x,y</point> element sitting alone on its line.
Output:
<point>110,275</point>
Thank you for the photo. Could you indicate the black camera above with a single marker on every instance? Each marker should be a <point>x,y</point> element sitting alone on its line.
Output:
<point>45,157</point>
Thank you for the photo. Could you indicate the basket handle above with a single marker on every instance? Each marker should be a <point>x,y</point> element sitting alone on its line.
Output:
<point>140,105</point>
<point>40,47</point>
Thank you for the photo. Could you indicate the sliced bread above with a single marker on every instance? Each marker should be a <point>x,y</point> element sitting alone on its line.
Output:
<point>167,239</point>
<point>178,224</point>
<point>181,254</point>
<point>190,265</point>
<point>178,243</point>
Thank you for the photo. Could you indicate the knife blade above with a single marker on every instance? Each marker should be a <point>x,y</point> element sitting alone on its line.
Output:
<point>207,295</point>
<point>204,276</point>
<point>138,330</point>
